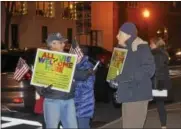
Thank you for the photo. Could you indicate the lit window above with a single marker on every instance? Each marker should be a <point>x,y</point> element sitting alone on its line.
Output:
<point>45,9</point>
<point>19,8</point>
<point>132,4</point>
<point>69,9</point>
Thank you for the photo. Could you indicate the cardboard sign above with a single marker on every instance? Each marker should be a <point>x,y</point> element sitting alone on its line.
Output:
<point>54,68</point>
<point>117,63</point>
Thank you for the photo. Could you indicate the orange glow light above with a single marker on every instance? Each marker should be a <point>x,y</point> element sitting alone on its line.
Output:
<point>146,13</point>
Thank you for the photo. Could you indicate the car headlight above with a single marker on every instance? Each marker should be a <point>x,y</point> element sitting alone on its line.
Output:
<point>178,53</point>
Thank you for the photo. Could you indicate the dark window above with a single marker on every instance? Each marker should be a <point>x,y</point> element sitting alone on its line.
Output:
<point>44,33</point>
<point>14,36</point>
<point>69,35</point>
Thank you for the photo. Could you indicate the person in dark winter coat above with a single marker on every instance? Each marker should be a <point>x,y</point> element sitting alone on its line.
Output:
<point>161,79</point>
<point>134,86</point>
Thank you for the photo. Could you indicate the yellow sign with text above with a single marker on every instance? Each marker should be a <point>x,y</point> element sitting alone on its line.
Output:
<point>54,68</point>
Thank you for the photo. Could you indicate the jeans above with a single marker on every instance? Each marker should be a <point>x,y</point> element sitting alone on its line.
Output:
<point>56,110</point>
<point>83,123</point>
<point>162,112</point>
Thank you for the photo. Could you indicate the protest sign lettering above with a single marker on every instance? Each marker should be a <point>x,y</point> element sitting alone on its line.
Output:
<point>54,68</point>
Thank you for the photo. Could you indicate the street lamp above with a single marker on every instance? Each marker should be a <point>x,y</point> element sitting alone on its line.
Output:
<point>146,13</point>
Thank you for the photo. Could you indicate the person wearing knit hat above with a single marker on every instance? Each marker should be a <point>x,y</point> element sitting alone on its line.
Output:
<point>134,86</point>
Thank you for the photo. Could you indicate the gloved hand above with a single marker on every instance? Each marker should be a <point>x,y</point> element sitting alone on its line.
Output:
<point>113,84</point>
<point>91,72</point>
<point>81,75</point>
<point>46,89</point>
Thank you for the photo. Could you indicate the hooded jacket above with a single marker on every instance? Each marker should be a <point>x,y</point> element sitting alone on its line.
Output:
<point>134,84</point>
<point>84,91</point>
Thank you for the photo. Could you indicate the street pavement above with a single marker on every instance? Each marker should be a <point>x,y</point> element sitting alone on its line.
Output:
<point>152,121</point>
<point>106,115</point>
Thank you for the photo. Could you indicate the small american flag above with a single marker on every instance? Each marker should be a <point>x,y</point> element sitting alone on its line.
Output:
<point>21,69</point>
<point>76,50</point>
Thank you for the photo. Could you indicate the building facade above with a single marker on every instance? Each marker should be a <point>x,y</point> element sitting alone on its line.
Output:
<point>31,29</point>
<point>107,17</point>
<point>93,23</point>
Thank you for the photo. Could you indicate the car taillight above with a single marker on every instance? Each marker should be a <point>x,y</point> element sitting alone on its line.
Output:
<point>18,100</point>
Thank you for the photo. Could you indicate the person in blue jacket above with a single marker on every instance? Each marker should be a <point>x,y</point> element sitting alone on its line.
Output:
<point>84,92</point>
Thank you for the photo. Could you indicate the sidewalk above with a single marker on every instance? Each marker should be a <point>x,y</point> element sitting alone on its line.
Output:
<point>152,121</point>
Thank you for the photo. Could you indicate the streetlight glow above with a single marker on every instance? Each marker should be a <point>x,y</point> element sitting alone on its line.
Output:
<point>146,13</point>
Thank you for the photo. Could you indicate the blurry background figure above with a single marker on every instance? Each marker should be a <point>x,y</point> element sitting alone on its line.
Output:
<point>161,79</point>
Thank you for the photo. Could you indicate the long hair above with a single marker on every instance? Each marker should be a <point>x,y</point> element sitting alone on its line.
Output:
<point>159,42</point>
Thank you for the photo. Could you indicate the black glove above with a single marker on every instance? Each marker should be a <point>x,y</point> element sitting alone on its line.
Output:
<point>81,75</point>
<point>46,89</point>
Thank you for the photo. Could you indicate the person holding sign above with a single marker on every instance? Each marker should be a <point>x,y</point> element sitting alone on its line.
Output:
<point>84,88</point>
<point>134,86</point>
<point>161,79</point>
<point>58,106</point>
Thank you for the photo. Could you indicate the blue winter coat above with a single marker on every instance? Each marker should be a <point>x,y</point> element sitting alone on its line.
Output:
<point>84,91</point>
<point>134,84</point>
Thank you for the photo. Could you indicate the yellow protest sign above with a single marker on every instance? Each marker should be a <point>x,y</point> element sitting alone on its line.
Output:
<point>117,63</point>
<point>54,68</point>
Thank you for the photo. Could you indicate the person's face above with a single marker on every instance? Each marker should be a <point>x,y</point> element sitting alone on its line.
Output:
<point>152,45</point>
<point>122,38</point>
<point>57,45</point>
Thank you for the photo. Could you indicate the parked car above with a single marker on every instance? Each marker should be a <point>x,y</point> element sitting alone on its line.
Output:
<point>175,56</point>
<point>16,95</point>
